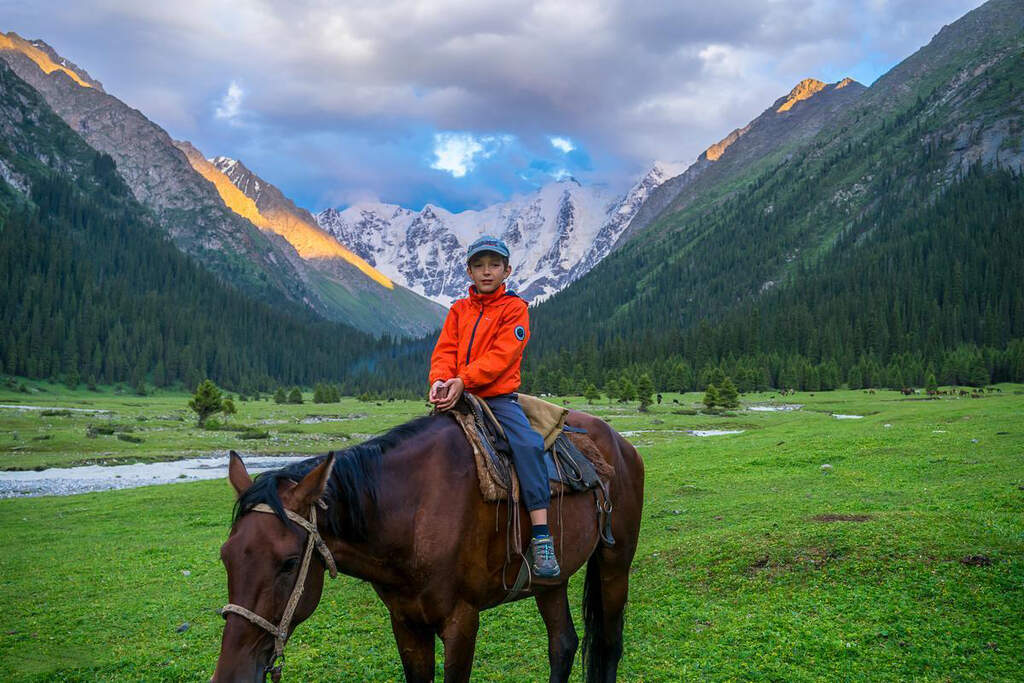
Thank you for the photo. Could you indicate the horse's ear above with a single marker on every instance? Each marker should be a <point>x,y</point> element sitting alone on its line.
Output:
<point>312,486</point>
<point>237,474</point>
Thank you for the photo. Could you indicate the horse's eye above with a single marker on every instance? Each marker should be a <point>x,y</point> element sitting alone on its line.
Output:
<point>289,565</point>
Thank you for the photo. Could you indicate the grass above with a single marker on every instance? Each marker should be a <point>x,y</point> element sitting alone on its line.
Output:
<point>904,561</point>
<point>167,428</point>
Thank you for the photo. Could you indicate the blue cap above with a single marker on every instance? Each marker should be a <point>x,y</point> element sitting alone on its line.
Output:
<point>487,243</point>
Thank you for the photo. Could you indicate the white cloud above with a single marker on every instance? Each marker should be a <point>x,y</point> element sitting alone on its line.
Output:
<point>564,145</point>
<point>458,153</point>
<point>231,104</point>
<point>637,81</point>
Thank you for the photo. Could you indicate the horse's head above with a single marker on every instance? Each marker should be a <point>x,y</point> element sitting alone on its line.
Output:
<point>263,557</point>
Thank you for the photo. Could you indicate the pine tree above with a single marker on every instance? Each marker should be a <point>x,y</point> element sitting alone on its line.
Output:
<point>644,389</point>
<point>592,394</point>
<point>206,401</point>
<point>627,392</point>
<point>229,407</point>
<point>279,396</point>
<point>728,396</point>
<point>295,395</point>
<point>711,397</point>
<point>613,389</point>
<point>930,385</point>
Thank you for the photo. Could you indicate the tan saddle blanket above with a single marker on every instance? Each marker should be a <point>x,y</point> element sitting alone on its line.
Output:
<point>547,419</point>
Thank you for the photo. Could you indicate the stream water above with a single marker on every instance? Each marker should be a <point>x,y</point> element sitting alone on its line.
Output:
<point>63,481</point>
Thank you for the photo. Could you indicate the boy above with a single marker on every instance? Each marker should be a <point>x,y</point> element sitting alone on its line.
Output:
<point>479,351</point>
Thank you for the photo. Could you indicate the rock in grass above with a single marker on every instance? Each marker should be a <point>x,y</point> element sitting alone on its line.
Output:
<point>826,468</point>
<point>185,572</point>
<point>184,627</point>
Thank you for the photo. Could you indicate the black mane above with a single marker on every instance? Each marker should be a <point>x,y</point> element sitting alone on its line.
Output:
<point>356,471</point>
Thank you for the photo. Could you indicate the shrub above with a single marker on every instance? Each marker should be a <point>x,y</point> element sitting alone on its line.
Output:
<point>206,401</point>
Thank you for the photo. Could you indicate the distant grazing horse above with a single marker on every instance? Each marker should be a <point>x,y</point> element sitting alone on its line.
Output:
<point>404,512</point>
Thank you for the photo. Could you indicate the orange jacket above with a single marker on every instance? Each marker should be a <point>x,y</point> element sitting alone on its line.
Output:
<point>482,342</point>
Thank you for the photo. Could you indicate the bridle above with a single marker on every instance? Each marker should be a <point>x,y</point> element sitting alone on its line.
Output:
<point>280,632</point>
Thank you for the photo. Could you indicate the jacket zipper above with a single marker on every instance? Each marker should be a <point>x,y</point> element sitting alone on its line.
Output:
<point>469,349</point>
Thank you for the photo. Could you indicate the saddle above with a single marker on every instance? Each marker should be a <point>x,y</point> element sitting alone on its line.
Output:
<point>574,464</point>
<point>573,461</point>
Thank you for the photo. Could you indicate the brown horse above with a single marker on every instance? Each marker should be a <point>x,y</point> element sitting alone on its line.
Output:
<point>404,512</point>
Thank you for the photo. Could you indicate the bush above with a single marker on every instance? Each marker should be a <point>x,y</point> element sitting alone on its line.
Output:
<point>206,401</point>
<point>279,396</point>
<point>254,434</point>
<point>129,438</point>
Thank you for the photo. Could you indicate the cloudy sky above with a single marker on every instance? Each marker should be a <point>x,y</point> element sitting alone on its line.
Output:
<point>465,103</point>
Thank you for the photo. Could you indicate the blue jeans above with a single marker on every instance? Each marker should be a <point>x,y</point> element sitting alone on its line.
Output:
<point>527,450</point>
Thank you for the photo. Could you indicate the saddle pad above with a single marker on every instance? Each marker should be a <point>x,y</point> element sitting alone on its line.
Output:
<point>546,418</point>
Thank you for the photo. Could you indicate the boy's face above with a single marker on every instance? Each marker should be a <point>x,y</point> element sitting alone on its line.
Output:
<point>487,270</point>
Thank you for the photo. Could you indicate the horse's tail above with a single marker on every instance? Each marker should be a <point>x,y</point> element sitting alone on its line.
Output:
<point>600,657</point>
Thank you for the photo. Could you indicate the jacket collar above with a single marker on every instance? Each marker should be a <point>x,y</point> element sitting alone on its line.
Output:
<point>479,299</point>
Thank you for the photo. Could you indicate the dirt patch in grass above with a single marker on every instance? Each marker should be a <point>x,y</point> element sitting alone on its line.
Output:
<point>976,560</point>
<point>841,518</point>
<point>813,557</point>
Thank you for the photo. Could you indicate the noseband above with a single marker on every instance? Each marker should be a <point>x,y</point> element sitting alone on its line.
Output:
<point>280,632</point>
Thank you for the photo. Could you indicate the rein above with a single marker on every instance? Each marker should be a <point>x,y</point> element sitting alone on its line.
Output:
<point>280,632</point>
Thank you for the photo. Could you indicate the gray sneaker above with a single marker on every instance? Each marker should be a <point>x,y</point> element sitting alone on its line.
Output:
<point>544,565</point>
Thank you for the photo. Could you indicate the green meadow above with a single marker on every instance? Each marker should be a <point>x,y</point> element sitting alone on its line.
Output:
<point>903,559</point>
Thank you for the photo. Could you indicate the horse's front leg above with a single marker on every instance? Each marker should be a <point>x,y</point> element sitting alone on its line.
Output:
<point>416,648</point>
<point>458,633</point>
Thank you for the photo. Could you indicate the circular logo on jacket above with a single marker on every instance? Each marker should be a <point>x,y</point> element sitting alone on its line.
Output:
<point>520,332</point>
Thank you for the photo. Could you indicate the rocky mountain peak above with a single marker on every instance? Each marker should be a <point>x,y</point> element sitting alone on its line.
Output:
<point>803,90</point>
<point>556,234</point>
<point>47,59</point>
<point>225,164</point>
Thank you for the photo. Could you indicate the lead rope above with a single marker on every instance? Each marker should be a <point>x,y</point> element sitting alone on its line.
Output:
<point>280,632</point>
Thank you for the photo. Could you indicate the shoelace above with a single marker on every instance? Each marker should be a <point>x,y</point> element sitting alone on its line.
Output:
<point>545,549</point>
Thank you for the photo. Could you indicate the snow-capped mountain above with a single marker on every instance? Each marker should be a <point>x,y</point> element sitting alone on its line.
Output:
<point>556,234</point>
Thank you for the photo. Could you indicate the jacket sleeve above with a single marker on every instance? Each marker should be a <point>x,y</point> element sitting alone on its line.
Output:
<point>445,356</point>
<point>513,333</point>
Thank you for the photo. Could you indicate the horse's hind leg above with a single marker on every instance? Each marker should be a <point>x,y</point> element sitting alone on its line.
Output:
<point>604,603</point>
<point>562,639</point>
<point>458,633</point>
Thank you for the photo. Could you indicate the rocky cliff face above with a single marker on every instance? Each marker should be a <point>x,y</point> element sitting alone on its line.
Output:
<point>352,289</point>
<point>556,235</point>
<point>275,254</point>
<point>791,120</point>
<point>159,175</point>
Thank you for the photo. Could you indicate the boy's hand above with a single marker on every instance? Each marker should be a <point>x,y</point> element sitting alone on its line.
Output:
<point>451,393</point>
<point>437,391</point>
